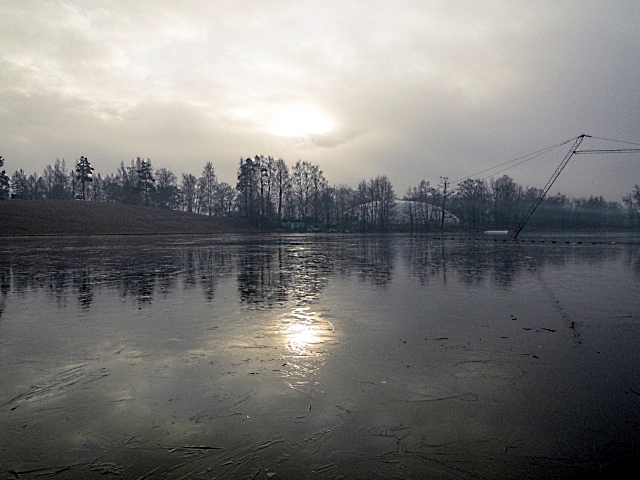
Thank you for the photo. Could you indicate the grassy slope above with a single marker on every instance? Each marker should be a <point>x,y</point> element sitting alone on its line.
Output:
<point>68,217</point>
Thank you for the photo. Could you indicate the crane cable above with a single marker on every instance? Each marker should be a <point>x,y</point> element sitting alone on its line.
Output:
<point>617,141</point>
<point>525,158</point>
<point>520,160</point>
<point>572,151</point>
<point>615,150</point>
<point>530,156</point>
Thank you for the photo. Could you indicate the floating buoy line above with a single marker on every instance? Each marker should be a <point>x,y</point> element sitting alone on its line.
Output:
<point>488,237</point>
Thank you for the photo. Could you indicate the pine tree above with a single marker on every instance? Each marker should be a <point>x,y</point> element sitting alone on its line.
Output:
<point>5,183</point>
<point>145,179</point>
<point>84,174</point>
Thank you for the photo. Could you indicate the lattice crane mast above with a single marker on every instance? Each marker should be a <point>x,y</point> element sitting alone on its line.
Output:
<point>546,188</point>
<point>573,150</point>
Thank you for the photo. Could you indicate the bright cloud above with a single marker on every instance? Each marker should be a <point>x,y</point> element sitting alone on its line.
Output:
<point>410,89</point>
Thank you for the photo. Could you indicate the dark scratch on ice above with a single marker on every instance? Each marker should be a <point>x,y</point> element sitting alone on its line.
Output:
<point>55,383</point>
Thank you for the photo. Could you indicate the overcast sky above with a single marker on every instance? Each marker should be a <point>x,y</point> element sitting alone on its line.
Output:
<point>408,89</point>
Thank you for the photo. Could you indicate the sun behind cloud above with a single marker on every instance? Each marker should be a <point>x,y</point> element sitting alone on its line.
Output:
<point>300,122</point>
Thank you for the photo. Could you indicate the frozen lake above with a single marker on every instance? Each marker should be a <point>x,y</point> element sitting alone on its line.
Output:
<point>309,356</point>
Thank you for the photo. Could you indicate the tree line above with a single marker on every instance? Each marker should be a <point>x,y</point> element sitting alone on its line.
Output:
<point>273,195</point>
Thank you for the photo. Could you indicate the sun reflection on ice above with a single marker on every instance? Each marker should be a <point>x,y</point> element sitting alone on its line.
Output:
<point>304,331</point>
<point>306,336</point>
<point>301,337</point>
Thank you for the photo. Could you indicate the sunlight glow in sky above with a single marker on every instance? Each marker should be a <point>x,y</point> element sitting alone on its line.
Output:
<point>409,89</point>
<point>300,122</point>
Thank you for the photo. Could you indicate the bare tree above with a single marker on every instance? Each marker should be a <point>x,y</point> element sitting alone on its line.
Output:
<point>343,200</point>
<point>98,188</point>
<point>318,186</point>
<point>282,184</point>
<point>307,184</point>
<point>444,183</point>
<point>632,202</point>
<point>166,191</point>
<point>632,199</point>
<point>471,200</point>
<point>189,192</point>
<point>301,185</point>
<point>125,186</point>
<point>505,195</point>
<point>57,181</point>
<point>224,199</point>
<point>208,183</point>
<point>422,211</point>
<point>382,197</point>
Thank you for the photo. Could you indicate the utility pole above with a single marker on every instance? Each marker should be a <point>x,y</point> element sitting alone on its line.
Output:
<point>444,181</point>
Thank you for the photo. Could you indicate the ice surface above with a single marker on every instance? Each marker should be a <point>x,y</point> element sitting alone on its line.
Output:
<point>309,356</point>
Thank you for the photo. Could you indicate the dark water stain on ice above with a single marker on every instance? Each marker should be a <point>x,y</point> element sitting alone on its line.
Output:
<point>310,356</point>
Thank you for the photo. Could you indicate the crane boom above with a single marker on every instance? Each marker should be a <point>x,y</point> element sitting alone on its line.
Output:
<point>619,150</point>
<point>547,187</point>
